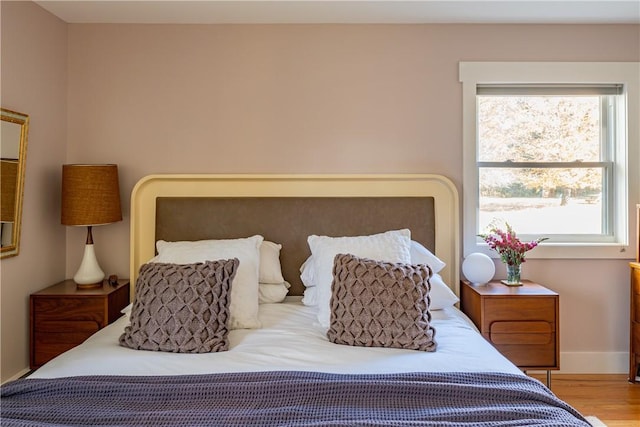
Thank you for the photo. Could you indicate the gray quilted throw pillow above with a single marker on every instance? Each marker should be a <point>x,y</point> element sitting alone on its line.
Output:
<point>181,308</point>
<point>380,304</point>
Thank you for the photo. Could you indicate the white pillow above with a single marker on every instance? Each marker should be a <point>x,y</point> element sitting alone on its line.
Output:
<point>270,269</point>
<point>392,246</point>
<point>441,295</point>
<point>419,255</point>
<point>307,273</point>
<point>272,292</point>
<point>310,296</point>
<point>127,309</point>
<point>243,306</point>
<point>422,255</point>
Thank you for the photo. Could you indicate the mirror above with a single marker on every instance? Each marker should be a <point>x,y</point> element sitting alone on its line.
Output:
<point>13,150</point>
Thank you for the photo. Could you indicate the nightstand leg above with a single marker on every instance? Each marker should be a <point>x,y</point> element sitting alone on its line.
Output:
<point>548,378</point>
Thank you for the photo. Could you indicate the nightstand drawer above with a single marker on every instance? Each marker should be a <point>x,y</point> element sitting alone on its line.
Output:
<point>46,329</point>
<point>521,333</point>
<point>635,290</point>
<point>91,309</point>
<point>635,336</point>
<point>526,309</point>
<point>530,355</point>
<point>53,338</point>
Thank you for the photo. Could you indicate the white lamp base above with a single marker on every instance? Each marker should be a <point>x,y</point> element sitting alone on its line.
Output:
<point>89,274</point>
<point>478,268</point>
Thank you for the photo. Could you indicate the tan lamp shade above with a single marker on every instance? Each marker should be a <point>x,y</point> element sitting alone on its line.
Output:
<point>90,194</point>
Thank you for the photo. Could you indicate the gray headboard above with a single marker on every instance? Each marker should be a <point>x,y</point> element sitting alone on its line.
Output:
<point>289,220</point>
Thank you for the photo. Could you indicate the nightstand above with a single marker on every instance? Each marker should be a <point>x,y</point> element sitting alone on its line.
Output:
<point>634,310</point>
<point>522,322</point>
<point>634,327</point>
<point>63,316</point>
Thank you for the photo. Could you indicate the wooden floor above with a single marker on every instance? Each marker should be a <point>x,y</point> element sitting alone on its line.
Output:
<point>611,398</point>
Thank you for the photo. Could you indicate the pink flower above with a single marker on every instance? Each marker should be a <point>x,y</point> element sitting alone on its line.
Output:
<point>511,249</point>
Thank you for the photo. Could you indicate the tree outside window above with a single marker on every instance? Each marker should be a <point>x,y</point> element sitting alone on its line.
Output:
<point>543,155</point>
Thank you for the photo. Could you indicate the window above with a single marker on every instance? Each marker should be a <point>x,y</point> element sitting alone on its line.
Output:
<point>548,149</point>
<point>545,159</point>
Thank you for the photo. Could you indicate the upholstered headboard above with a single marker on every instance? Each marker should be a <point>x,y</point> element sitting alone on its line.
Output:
<point>287,208</point>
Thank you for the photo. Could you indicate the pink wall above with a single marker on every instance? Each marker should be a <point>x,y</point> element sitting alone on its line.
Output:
<point>318,99</point>
<point>34,81</point>
<point>284,99</point>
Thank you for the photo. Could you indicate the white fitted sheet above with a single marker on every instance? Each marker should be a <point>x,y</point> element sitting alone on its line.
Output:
<point>289,340</point>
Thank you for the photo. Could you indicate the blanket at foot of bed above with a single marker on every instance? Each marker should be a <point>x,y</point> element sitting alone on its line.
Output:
<point>287,399</point>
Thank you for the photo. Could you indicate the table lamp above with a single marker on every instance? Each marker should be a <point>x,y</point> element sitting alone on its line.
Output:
<point>90,196</point>
<point>478,268</point>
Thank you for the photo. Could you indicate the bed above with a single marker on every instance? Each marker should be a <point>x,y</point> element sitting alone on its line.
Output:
<point>298,359</point>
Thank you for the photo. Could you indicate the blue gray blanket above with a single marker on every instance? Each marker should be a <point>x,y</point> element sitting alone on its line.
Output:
<point>286,399</point>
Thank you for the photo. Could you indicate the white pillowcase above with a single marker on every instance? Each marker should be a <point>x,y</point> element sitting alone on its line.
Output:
<point>272,292</point>
<point>422,255</point>
<point>441,295</point>
<point>243,306</point>
<point>270,269</point>
<point>127,309</point>
<point>391,246</point>
<point>310,296</point>
<point>307,273</point>
<point>419,255</point>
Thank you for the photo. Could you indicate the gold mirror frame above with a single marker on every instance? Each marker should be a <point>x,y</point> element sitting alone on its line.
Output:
<point>13,153</point>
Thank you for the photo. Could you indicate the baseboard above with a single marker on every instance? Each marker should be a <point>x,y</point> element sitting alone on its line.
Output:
<point>594,362</point>
<point>595,421</point>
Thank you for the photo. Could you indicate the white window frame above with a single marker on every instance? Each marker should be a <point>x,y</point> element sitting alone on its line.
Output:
<point>627,155</point>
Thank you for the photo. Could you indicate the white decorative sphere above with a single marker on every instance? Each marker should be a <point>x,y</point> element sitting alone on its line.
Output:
<point>478,268</point>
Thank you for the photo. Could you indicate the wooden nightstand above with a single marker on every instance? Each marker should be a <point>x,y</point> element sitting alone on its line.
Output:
<point>634,318</point>
<point>634,345</point>
<point>63,316</point>
<point>520,321</point>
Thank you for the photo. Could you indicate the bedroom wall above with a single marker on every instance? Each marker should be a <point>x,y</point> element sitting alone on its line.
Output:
<point>34,81</point>
<point>270,99</point>
<point>322,99</point>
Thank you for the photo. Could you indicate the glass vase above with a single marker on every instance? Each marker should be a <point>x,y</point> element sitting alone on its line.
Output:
<point>513,275</point>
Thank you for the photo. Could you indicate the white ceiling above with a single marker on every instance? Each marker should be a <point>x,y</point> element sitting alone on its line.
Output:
<point>344,11</point>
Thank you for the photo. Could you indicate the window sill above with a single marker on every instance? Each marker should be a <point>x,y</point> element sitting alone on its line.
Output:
<point>568,251</point>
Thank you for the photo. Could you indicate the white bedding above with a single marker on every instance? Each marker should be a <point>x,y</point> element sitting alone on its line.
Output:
<point>290,339</point>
